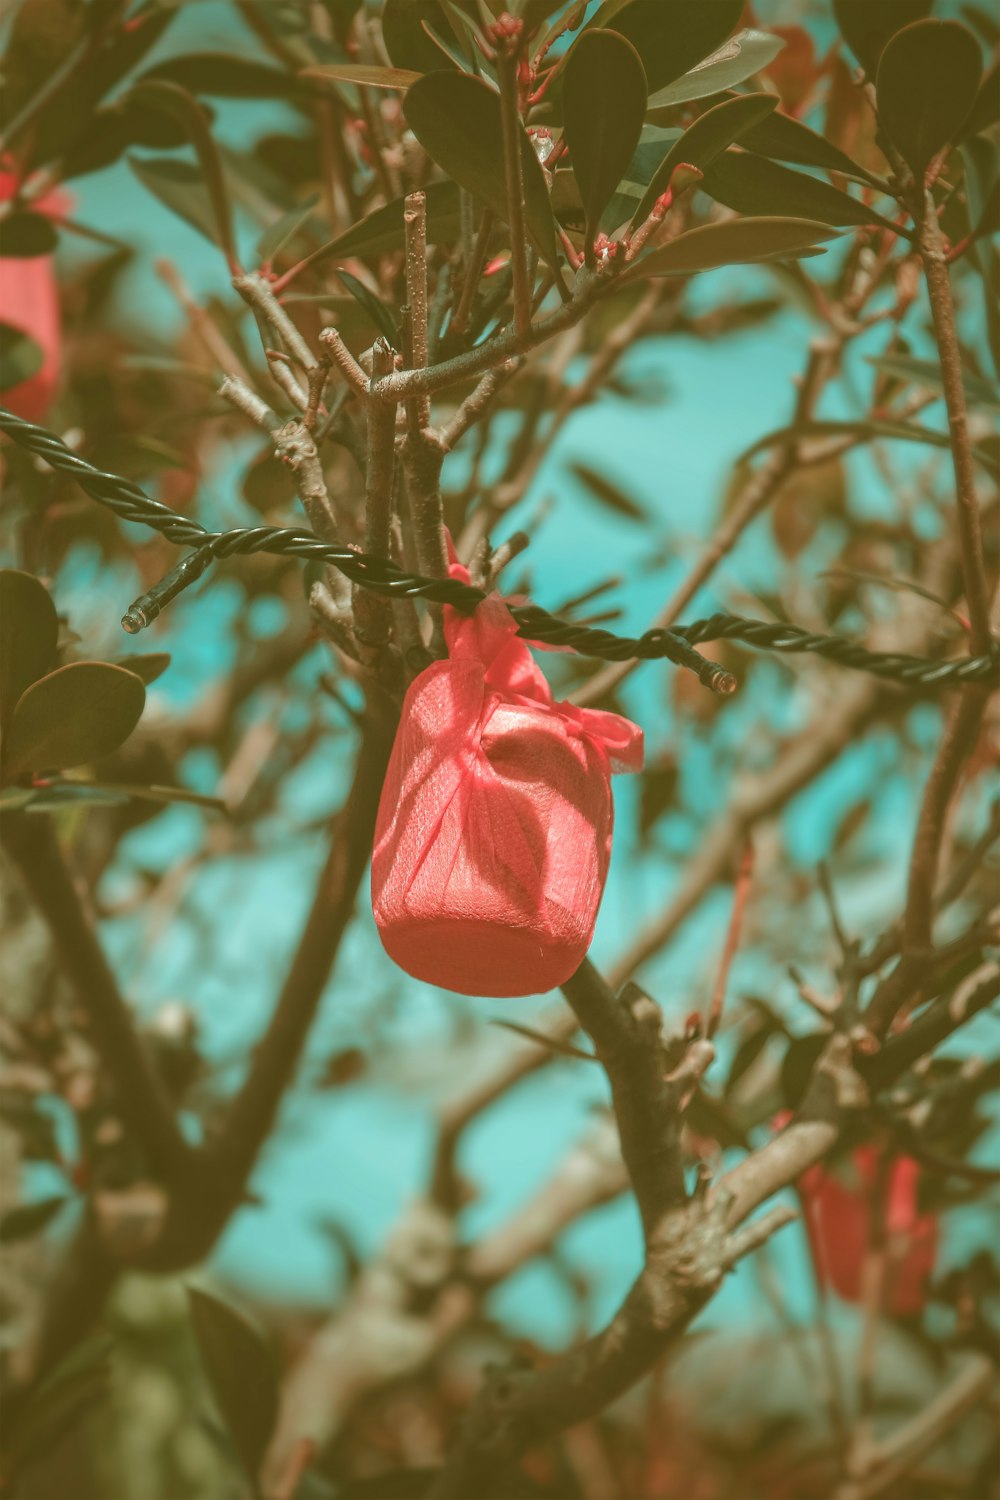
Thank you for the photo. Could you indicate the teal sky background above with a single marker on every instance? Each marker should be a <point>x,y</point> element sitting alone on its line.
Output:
<point>356,1155</point>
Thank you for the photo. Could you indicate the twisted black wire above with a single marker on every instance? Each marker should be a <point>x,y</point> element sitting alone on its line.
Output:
<point>381,576</point>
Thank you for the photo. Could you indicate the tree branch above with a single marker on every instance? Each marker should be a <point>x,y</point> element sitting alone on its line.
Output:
<point>32,844</point>
<point>626,1030</point>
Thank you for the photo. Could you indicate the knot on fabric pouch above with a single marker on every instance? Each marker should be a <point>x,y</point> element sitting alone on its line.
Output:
<point>494,827</point>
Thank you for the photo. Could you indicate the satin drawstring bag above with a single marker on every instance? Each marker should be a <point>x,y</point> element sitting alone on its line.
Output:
<point>494,827</point>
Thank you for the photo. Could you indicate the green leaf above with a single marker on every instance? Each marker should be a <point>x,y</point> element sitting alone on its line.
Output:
<point>382,231</point>
<point>20,357</point>
<point>181,105</point>
<point>126,791</point>
<point>608,493</point>
<point>377,78</point>
<point>226,76</point>
<point>982,185</point>
<point>604,101</point>
<point>75,715</point>
<point>671,36</point>
<point>29,1218</point>
<point>742,56</point>
<point>456,118</point>
<point>376,309</point>
<point>278,234</point>
<point>29,632</point>
<point>24,234</point>
<point>986,110</point>
<point>866,25</point>
<point>927,372</point>
<point>737,242</point>
<point>405,39</point>
<point>928,78</point>
<point>74,97</point>
<point>242,1373</point>
<point>147,666</point>
<point>56,796</point>
<point>706,139</point>
<point>180,187</point>
<point>79,1383</point>
<point>783,138</point>
<point>753,185</point>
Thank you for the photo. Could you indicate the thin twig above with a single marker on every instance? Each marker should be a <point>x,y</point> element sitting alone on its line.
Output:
<point>345,361</point>
<point>741,891</point>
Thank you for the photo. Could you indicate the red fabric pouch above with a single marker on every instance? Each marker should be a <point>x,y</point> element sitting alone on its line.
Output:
<point>494,828</point>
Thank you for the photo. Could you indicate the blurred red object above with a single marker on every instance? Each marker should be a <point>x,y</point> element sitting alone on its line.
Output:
<point>29,302</point>
<point>494,829</point>
<point>838,1208</point>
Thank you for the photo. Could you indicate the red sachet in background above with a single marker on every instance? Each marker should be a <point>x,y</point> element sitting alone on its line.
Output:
<point>839,1215</point>
<point>29,302</point>
<point>494,828</point>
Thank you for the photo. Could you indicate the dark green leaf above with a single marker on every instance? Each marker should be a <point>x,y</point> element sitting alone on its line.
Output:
<point>604,101</point>
<point>29,631</point>
<point>657,792</point>
<point>742,56</point>
<point>927,372</point>
<point>671,36</point>
<point>373,306</point>
<point>928,78</point>
<point>706,139</point>
<point>753,185</point>
<point>382,231</point>
<point>29,1218</point>
<point>983,22</point>
<point>24,234</point>
<point>406,41</point>
<point>797,1067</point>
<point>986,110</point>
<point>75,715</point>
<point>737,242</point>
<point>268,483</point>
<point>784,139</point>
<point>456,118</point>
<point>242,1373</point>
<point>77,1385</point>
<point>20,357</point>
<point>278,234</point>
<point>226,76</point>
<point>377,78</point>
<point>56,796</point>
<point>40,42</point>
<point>982,184</point>
<point>147,667</point>
<point>747,1053</point>
<point>866,25</point>
<point>400,1484</point>
<point>607,493</point>
<point>180,187</point>
<point>181,105</point>
<point>125,791</point>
